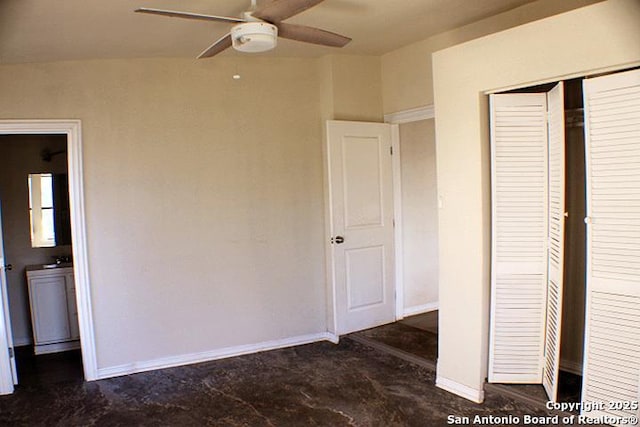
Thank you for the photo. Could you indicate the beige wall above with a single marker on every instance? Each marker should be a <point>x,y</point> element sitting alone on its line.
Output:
<point>352,88</point>
<point>203,197</point>
<point>20,156</point>
<point>419,214</point>
<point>407,72</point>
<point>601,37</point>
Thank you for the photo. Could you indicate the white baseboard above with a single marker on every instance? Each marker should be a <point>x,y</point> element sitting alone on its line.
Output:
<point>187,359</point>
<point>331,337</point>
<point>571,366</point>
<point>461,390</point>
<point>420,309</point>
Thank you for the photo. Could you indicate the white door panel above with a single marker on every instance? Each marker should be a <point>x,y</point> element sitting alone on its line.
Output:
<point>519,237</point>
<point>360,181</point>
<point>556,205</point>
<point>528,191</point>
<point>49,303</point>
<point>362,176</point>
<point>365,277</point>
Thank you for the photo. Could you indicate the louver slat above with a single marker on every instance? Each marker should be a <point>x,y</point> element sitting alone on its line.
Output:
<point>556,188</point>
<point>613,363</point>
<point>612,342</point>
<point>519,229</point>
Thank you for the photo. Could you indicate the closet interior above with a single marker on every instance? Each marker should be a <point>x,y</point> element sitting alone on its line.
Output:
<point>573,302</point>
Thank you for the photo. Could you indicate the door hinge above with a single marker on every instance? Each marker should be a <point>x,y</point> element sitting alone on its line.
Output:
<point>391,150</point>
<point>11,353</point>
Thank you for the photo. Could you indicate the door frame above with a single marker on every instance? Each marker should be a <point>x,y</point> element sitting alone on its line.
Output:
<point>73,130</point>
<point>393,119</point>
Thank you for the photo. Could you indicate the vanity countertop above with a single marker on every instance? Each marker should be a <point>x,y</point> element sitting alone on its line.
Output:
<point>53,266</point>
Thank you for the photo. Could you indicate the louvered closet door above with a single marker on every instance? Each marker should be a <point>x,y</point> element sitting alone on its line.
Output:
<point>612,342</point>
<point>555,105</point>
<point>519,234</point>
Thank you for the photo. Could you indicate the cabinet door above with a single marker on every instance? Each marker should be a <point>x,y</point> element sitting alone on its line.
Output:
<point>49,309</point>
<point>72,307</point>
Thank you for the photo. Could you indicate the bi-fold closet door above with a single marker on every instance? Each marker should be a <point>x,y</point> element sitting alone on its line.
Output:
<point>527,154</point>
<point>611,371</point>
<point>527,140</point>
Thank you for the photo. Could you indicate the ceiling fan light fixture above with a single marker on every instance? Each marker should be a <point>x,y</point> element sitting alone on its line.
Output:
<point>254,36</point>
<point>253,31</point>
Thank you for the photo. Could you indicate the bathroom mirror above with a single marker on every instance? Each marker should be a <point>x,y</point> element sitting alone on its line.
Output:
<point>49,210</point>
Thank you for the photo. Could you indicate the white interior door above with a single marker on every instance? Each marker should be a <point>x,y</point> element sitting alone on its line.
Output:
<point>555,106</point>
<point>519,237</point>
<point>361,210</point>
<point>612,324</point>
<point>8,372</point>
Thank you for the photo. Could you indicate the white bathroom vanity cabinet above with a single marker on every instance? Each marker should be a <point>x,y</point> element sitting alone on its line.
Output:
<point>54,313</point>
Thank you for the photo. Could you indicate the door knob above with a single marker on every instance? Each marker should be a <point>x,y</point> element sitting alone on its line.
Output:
<point>8,267</point>
<point>339,239</point>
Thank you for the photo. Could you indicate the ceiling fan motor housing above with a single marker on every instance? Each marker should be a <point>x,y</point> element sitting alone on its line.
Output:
<point>254,36</point>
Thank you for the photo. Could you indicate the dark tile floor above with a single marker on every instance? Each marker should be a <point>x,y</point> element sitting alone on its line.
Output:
<point>318,384</point>
<point>48,369</point>
<point>408,339</point>
<point>426,321</point>
<point>569,390</point>
<point>415,339</point>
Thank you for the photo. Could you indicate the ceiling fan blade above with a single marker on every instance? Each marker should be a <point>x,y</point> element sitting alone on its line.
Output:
<point>303,33</point>
<point>189,15</point>
<point>279,10</point>
<point>221,44</point>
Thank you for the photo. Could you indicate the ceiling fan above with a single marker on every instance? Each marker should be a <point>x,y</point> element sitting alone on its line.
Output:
<point>258,28</point>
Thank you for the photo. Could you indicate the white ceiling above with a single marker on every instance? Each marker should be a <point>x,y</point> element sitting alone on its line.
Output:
<point>53,30</point>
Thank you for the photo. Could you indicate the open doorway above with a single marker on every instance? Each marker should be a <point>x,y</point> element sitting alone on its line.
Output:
<point>417,216</point>
<point>72,279</point>
<point>40,290</point>
<point>415,335</point>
